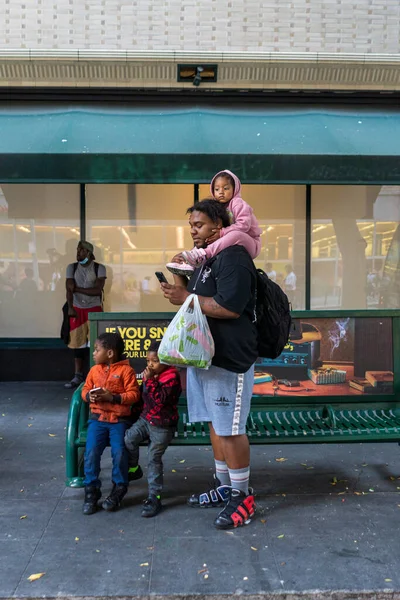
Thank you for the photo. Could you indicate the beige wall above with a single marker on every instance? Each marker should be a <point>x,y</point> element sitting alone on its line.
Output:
<point>363,26</point>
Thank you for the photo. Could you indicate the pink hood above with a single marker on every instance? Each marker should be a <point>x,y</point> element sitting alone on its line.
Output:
<point>238,185</point>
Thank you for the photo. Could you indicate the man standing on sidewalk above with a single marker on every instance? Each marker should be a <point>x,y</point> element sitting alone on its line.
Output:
<point>84,285</point>
<point>221,395</point>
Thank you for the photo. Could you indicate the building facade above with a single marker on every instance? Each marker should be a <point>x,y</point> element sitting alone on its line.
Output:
<point>115,115</point>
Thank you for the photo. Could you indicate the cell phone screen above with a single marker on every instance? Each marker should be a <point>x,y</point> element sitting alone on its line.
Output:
<point>161,277</point>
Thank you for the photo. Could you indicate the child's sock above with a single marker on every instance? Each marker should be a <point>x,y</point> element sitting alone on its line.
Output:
<point>222,472</point>
<point>240,479</point>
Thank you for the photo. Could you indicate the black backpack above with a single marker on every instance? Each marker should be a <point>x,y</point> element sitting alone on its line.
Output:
<point>273,317</point>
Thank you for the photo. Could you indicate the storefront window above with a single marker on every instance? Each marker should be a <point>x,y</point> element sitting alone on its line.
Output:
<point>136,229</point>
<point>39,231</point>
<point>355,242</point>
<point>281,212</point>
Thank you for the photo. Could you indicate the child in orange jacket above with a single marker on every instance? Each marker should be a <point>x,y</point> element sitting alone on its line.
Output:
<point>114,397</point>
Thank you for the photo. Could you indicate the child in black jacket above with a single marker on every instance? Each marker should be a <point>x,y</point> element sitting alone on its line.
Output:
<point>157,423</point>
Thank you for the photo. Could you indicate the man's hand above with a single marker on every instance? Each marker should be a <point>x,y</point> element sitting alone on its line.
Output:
<point>214,237</point>
<point>148,373</point>
<point>72,312</point>
<point>176,294</point>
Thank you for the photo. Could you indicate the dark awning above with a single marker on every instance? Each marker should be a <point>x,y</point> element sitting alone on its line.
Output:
<point>171,144</point>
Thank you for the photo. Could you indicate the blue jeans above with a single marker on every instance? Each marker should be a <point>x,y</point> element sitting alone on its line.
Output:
<point>159,440</point>
<point>99,435</point>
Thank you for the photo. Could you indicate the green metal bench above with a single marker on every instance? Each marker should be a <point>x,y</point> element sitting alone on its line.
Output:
<point>268,423</point>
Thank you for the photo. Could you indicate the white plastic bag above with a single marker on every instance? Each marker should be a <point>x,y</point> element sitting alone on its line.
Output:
<point>188,341</point>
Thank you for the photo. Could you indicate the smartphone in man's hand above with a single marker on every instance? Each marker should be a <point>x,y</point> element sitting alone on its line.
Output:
<point>161,277</point>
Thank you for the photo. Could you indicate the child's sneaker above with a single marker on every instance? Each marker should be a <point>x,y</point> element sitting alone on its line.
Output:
<point>194,257</point>
<point>113,501</point>
<point>239,510</point>
<point>180,269</point>
<point>134,475</point>
<point>151,506</point>
<point>92,496</point>
<point>214,498</point>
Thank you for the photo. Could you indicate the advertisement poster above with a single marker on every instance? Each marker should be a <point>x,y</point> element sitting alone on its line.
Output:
<point>324,357</point>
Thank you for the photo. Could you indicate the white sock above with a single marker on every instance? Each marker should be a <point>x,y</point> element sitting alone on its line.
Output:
<point>240,479</point>
<point>222,472</point>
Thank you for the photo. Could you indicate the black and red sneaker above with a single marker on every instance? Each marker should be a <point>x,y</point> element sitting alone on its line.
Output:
<point>216,497</point>
<point>239,510</point>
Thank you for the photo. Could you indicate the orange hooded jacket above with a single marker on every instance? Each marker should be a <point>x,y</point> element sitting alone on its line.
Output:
<point>119,379</point>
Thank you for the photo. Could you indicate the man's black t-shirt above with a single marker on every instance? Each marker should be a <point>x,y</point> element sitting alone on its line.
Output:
<point>230,278</point>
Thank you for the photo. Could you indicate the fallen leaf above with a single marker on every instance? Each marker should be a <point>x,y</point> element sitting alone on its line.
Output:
<point>281,536</point>
<point>173,471</point>
<point>371,490</point>
<point>229,532</point>
<point>77,539</point>
<point>333,481</point>
<point>283,563</point>
<point>52,435</point>
<point>150,547</point>
<point>280,459</point>
<point>245,578</point>
<point>265,520</point>
<point>206,576</point>
<point>144,564</point>
<point>341,493</point>
<point>309,468</point>
<point>358,493</point>
<point>23,517</point>
<point>392,478</point>
<point>35,576</point>
<point>252,547</point>
<point>202,571</point>
<point>388,580</point>
<point>61,456</point>
<point>30,425</point>
<point>182,461</point>
<point>304,464</point>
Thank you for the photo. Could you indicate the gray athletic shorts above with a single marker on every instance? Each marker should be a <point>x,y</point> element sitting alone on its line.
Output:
<point>220,397</point>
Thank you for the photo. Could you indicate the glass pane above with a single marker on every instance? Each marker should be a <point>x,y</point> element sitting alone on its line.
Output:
<point>355,247</point>
<point>136,229</point>
<point>331,357</point>
<point>39,231</point>
<point>281,212</point>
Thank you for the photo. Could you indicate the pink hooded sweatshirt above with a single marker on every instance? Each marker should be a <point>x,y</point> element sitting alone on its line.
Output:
<point>244,230</point>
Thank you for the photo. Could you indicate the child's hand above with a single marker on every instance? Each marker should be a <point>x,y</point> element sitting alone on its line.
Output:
<point>216,234</point>
<point>102,395</point>
<point>148,373</point>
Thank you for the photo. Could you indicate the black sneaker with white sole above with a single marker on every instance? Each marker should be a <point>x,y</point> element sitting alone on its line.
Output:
<point>216,497</point>
<point>238,511</point>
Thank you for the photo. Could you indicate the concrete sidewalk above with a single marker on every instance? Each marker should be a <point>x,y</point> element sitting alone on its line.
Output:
<point>328,519</point>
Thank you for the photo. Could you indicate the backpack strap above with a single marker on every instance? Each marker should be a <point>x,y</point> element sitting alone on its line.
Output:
<point>96,271</point>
